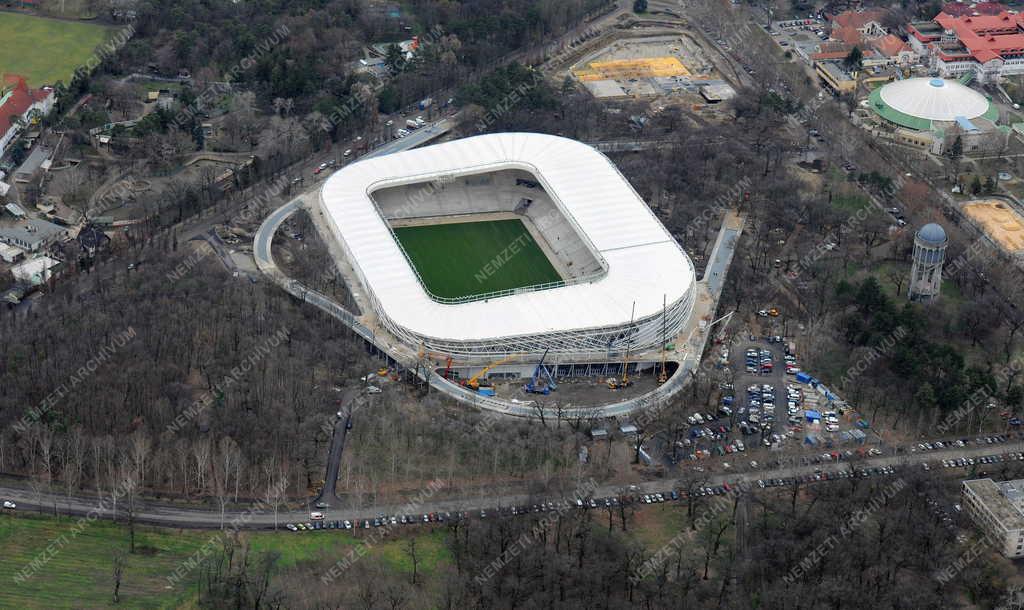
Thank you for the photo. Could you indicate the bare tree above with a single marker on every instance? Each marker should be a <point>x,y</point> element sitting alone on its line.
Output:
<point>118,574</point>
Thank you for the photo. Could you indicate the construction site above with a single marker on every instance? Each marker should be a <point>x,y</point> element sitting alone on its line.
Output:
<point>662,65</point>
<point>1000,222</point>
<point>625,317</point>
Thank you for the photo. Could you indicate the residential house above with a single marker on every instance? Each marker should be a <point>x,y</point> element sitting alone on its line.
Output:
<point>20,106</point>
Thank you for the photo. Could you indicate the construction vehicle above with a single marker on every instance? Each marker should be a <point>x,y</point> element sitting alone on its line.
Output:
<point>475,382</point>
<point>625,382</point>
<point>382,372</point>
<point>543,375</point>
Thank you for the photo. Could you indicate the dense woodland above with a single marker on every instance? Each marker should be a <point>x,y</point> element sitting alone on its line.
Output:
<point>174,393</point>
<point>854,544</point>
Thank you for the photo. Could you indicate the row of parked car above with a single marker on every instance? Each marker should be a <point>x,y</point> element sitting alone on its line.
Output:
<point>963,442</point>
<point>759,361</point>
<point>318,522</point>
<point>861,473</point>
<point>985,459</point>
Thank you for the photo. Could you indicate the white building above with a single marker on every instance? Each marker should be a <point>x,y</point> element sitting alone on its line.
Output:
<point>985,46</point>
<point>28,105</point>
<point>623,274</point>
<point>33,235</point>
<point>10,254</point>
<point>35,271</point>
<point>998,510</point>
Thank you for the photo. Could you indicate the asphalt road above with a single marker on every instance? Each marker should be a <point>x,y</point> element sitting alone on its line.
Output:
<point>714,275</point>
<point>342,423</point>
<point>414,139</point>
<point>262,517</point>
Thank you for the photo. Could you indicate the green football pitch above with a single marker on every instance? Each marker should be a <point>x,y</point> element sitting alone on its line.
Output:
<point>45,51</point>
<point>473,258</point>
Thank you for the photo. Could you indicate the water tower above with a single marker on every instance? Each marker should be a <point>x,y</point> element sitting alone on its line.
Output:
<point>926,272</point>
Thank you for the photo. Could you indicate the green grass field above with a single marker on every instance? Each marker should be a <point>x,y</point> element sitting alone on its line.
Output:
<point>78,574</point>
<point>45,51</point>
<point>471,258</point>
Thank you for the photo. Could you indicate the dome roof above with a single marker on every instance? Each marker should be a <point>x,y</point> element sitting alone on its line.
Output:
<point>932,234</point>
<point>934,99</point>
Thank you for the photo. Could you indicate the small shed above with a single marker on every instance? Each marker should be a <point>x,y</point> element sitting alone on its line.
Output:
<point>15,210</point>
<point>10,254</point>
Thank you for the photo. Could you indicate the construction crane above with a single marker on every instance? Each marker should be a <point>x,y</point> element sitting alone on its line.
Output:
<point>448,368</point>
<point>474,381</point>
<point>613,383</point>
<point>549,386</point>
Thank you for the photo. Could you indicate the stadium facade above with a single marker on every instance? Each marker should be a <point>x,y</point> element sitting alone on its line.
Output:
<point>930,113</point>
<point>625,281</point>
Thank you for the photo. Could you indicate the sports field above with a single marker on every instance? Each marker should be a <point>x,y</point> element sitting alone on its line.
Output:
<point>472,258</point>
<point>45,51</point>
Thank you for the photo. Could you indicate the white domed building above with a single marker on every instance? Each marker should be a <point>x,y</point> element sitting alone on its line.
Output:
<point>930,113</point>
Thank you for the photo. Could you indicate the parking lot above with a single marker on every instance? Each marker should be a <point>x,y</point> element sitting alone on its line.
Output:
<point>760,388</point>
<point>802,36</point>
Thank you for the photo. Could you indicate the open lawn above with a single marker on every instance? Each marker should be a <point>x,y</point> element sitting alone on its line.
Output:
<point>471,258</point>
<point>45,51</point>
<point>76,572</point>
<point>295,548</point>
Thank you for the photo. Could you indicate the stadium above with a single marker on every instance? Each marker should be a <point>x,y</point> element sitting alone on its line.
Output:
<point>930,113</point>
<point>509,244</point>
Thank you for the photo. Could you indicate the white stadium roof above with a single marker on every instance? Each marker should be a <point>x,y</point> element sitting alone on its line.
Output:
<point>644,261</point>
<point>935,99</point>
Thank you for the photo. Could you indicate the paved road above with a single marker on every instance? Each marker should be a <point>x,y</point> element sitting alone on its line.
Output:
<point>262,517</point>
<point>261,243</point>
<point>722,254</point>
<point>342,424</point>
<point>714,275</point>
<point>414,139</point>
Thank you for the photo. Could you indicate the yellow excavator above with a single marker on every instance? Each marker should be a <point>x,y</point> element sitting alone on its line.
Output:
<point>474,381</point>
<point>625,382</point>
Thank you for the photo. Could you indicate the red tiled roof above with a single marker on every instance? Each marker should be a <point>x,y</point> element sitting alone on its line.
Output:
<point>890,45</point>
<point>987,37</point>
<point>854,19</point>
<point>846,26</point>
<point>960,9</point>
<point>830,55</point>
<point>20,100</point>
<point>840,54</point>
<point>979,24</point>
